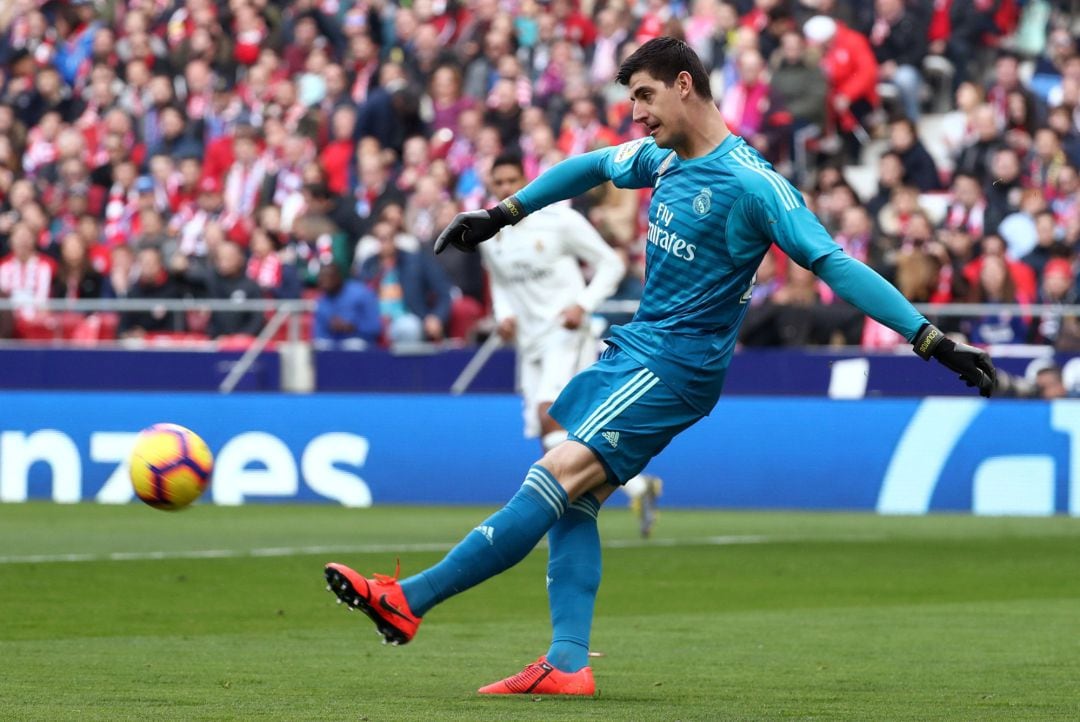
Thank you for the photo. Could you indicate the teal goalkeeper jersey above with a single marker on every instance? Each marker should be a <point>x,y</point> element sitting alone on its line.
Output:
<point>711,220</point>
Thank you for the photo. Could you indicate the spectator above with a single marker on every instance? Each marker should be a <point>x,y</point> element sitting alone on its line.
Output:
<point>1045,161</point>
<point>851,70</point>
<point>346,312</point>
<point>209,211</point>
<point>967,207</point>
<point>1018,229</point>
<point>890,177</point>
<point>338,153</point>
<point>798,82</point>
<point>75,277</point>
<point>582,130</point>
<point>1048,243</point>
<point>995,285</point>
<point>25,275</point>
<point>919,168</point>
<point>174,138</point>
<point>746,103</point>
<point>967,22</point>
<point>958,126</point>
<point>856,236</point>
<point>1004,190</point>
<point>1061,122</point>
<point>413,292</point>
<point>264,266</point>
<point>244,182</point>
<point>1006,81</point>
<point>373,188</point>
<point>315,242</point>
<point>899,40</point>
<point>447,100</point>
<point>974,158</point>
<point>227,281</point>
<point>1058,288</point>
<point>153,283</point>
<point>121,276</point>
<point>1021,277</point>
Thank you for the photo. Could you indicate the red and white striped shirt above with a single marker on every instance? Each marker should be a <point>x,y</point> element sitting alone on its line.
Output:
<point>26,282</point>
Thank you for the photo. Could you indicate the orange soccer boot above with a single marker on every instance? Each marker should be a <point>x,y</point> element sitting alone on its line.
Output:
<point>380,598</point>
<point>541,677</point>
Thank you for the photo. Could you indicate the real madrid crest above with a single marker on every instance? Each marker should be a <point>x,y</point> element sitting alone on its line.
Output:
<point>703,201</point>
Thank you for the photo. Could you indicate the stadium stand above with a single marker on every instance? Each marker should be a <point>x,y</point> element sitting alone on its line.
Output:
<point>146,144</point>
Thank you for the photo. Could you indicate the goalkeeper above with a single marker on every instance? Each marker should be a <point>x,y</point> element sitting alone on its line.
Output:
<point>716,208</point>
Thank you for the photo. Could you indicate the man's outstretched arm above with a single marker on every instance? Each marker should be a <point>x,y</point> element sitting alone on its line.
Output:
<point>630,165</point>
<point>800,234</point>
<point>862,287</point>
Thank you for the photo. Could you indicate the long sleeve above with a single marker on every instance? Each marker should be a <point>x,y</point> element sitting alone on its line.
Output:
<point>781,217</point>
<point>366,315</point>
<point>501,305</point>
<point>321,326</point>
<point>863,288</point>
<point>608,269</point>
<point>631,165</point>
<point>437,286</point>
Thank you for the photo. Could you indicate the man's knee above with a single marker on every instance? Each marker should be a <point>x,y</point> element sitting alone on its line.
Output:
<point>575,467</point>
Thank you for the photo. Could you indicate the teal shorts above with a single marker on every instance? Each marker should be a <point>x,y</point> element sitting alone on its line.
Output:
<point>623,412</point>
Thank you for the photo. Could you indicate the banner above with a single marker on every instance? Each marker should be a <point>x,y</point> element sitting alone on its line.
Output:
<point>893,456</point>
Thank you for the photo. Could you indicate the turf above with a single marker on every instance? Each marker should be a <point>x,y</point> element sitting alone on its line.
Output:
<point>793,616</point>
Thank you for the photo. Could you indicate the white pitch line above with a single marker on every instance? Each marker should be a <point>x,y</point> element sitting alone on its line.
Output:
<point>402,548</point>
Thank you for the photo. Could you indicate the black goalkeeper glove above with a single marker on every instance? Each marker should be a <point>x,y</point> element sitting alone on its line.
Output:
<point>468,230</point>
<point>973,365</point>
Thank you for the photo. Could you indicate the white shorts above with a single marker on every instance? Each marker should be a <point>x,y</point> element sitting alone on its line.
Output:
<point>543,375</point>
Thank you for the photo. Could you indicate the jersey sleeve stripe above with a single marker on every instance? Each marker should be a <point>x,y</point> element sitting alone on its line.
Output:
<point>742,157</point>
<point>785,187</point>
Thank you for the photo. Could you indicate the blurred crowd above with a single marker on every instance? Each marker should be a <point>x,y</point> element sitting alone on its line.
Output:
<point>244,149</point>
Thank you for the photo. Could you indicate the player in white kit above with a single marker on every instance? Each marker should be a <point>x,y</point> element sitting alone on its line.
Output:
<point>542,304</point>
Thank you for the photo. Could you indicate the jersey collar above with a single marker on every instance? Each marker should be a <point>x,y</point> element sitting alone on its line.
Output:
<point>729,144</point>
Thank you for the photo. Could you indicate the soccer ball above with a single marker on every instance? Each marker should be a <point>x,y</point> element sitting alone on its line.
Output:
<point>170,466</point>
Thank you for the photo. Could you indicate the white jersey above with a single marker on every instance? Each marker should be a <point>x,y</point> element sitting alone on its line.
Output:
<point>535,271</point>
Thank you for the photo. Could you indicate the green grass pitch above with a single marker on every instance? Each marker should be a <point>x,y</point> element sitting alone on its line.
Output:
<point>740,616</point>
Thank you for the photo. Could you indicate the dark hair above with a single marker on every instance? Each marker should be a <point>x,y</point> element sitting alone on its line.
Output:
<point>509,159</point>
<point>664,58</point>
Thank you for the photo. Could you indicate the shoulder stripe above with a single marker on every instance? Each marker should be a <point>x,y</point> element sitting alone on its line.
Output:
<point>743,157</point>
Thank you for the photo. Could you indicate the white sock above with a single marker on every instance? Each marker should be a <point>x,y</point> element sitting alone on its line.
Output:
<point>552,439</point>
<point>636,487</point>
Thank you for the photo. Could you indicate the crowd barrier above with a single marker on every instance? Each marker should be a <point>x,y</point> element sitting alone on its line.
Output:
<point>839,373</point>
<point>895,456</point>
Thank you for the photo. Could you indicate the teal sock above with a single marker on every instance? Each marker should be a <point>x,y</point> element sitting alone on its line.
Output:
<point>573,580</point>
<point>503,540</point>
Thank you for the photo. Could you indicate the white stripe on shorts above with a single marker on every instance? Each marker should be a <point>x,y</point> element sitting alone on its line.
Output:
<point>623,407</point>
<point>626,389</point>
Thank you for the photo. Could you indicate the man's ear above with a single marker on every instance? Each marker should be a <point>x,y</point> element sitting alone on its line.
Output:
<point>685,84</point>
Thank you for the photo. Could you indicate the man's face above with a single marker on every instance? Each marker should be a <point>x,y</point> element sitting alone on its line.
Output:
<point>658,107</point>
<point>230,260</point>
<point>1005,70</point>
<point>506,180</point>
<point>329,279</point>
<point>149,265</point>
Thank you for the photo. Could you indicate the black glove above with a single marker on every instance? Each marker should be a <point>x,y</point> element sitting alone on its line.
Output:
<point>973,365</point>
<point>468,230</point>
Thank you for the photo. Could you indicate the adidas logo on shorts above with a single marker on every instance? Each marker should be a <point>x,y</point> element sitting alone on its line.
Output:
<point>487,531</point>
<point>612,437</point>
